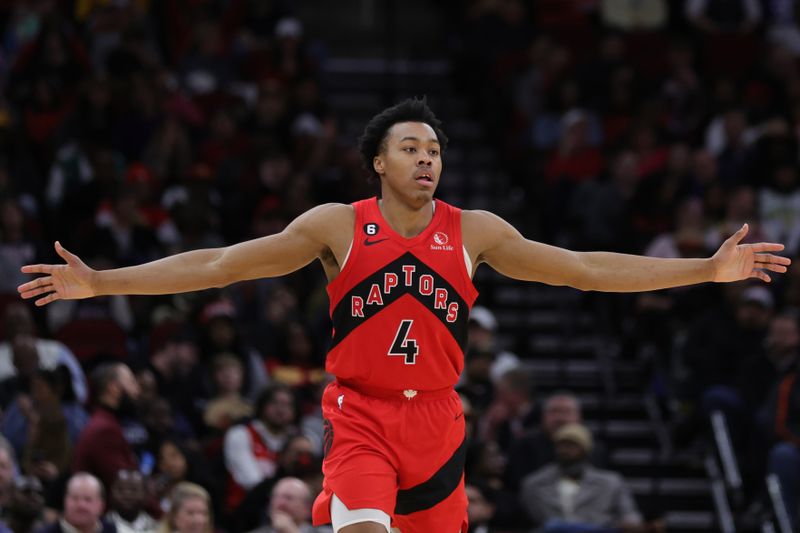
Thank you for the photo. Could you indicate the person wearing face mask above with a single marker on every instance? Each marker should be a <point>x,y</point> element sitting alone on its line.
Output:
<point>101,448</point>
<point>571,496</point>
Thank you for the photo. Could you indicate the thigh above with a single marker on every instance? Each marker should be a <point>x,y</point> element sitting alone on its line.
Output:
<point>431,470</point>
<point>359,466</point>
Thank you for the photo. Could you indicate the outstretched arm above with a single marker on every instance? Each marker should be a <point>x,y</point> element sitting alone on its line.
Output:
<point>300,243</point>
<point>498,244</point>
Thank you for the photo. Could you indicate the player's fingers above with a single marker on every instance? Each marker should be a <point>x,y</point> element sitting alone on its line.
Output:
<point>737,237</point>
<point>47,299</point>
<point>38,269</point>
<point>771,258</point>
<point>27,295</point>
<point>760,274</point>
<point>69,257</point>
<point>771,266</point>
<point>36,283</point>
<point>766,247</point>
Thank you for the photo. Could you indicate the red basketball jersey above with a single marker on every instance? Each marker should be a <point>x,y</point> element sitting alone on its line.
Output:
<point>400,306</point>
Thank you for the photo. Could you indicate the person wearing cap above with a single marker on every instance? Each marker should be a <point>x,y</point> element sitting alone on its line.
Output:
<point>536,447</point>
<point>570,495</point>
<point>720,341</point>
<point>482,327</point>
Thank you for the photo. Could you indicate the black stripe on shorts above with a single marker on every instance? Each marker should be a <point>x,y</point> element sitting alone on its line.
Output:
<point>429,493</point>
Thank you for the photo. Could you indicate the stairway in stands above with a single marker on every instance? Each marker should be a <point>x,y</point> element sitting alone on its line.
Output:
<point>554,328</point>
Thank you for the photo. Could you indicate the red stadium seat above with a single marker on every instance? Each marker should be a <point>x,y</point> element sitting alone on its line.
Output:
<point>90,338</point>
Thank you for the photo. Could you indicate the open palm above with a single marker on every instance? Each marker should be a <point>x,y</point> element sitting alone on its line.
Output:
<point>71,281</point>
<point>734,261</point>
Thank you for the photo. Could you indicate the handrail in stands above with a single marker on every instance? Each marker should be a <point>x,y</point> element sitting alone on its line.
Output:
<point>719,496</point>
<point>778,505</point>
<point>725,448</point>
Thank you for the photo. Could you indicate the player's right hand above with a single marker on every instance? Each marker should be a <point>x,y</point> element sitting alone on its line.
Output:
<point>72,281</point>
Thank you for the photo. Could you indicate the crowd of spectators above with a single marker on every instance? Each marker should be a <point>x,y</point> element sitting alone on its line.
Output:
<point>661,127</point>
<point>133,129</point>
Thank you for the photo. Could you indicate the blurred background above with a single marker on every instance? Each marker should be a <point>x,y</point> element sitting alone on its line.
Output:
<point>132,129</point>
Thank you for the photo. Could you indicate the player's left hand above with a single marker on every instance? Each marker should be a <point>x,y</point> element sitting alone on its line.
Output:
<point>734,261</point>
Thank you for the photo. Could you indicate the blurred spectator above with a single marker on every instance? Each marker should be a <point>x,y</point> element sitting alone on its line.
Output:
<point>102,448</point>
<point>175,367</point>
<point>127,504</point>
<point>17,248</point>
<point>475,382</point>
<point>571,495</point>
<point>779,206</point>
<point>598,212</point>
<point>783,29</point>
<point>227,406</point>
<point>53,427</point>
<point>189,510</point>
<point>687,239</point>
<point>290,509</point>
<point>297,362</point>
<point>8,471</point>
<point>24,512</point>
<point>482,328</point>
<point>682,92</point>
<point>713,16</point>
<point>536,447</point>
<point>160,423</point>
<point>83,508</point>
<point>122,234</point>
<point>574,160</point>
<point>51,353</point>
<point>25,359</point>
<point>631,15</point>
<point>297,460</point>
<point>721,341</point>
<point>221,335</point>
<point>512,412</point>
<point>251,449</point>
<point>480,508</point>
<point>177,464</point>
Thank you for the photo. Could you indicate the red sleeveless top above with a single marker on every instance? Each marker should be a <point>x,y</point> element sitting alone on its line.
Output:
<point>400,306</point>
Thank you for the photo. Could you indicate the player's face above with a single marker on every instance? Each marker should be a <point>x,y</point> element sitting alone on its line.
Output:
<point>411,163</point>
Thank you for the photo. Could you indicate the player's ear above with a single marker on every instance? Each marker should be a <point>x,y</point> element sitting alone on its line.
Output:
<point>377,164</point>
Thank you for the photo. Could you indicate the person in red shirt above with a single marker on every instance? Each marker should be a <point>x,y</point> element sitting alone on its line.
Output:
<point>101,448</point>
<point>400,268</point>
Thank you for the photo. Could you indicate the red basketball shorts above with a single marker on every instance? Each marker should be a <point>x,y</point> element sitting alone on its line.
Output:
<point>404,456</point>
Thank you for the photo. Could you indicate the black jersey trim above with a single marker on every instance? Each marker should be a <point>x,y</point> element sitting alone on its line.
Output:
<point>344,323</point>
<point>429,493</point>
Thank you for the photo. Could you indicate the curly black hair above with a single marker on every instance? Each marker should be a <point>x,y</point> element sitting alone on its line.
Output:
<point>373,140</point>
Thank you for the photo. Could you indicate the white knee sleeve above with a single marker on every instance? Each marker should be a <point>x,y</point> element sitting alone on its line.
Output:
<point>341,516</point>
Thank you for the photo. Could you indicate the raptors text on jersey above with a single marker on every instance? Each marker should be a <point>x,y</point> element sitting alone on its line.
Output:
<point>400,306</point>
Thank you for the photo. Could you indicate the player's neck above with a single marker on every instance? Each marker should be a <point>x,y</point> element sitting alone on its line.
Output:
<point>404,219</point>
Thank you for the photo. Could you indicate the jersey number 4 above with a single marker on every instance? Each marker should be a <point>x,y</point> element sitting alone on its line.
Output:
<point>402,345</point>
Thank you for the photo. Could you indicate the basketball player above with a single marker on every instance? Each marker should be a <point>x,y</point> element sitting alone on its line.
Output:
<point>400,269</point>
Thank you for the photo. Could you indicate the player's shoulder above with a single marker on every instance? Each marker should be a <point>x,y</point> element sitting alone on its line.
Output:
<point>479,219</point>
<point>330,213</point>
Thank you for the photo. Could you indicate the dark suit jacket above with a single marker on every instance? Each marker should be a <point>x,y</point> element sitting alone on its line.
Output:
<point>602,500</point>
<point>107,527</point>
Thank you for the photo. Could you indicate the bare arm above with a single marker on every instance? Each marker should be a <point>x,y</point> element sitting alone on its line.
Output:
<point>495,242</point>
<point>305,239</point>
